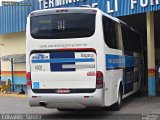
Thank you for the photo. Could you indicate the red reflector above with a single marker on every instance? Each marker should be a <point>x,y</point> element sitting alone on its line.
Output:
<point>63,91</point>
<point>34,96</point>
<point>91,74</point>
<point>86,96</point>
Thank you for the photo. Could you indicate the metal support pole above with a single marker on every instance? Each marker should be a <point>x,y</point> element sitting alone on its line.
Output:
<point>151,54</point>
<point>12,73</point>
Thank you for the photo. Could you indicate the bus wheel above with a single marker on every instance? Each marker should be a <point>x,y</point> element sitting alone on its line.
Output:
<point>117,106</point>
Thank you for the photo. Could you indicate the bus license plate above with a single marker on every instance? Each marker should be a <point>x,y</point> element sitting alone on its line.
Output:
<point>63,91</point>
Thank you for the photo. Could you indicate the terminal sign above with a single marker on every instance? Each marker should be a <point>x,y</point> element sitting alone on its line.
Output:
<point>133,4</point>
<point>54,3</point>
<point>108,6</point>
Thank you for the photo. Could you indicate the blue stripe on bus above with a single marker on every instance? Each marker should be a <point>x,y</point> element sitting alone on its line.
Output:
<point>58,66</point>
<point>120,61</point>
<point>127,62</point>
<point>63,60</point>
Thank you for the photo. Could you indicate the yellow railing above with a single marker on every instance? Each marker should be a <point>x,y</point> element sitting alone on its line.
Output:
<point>5,87</point>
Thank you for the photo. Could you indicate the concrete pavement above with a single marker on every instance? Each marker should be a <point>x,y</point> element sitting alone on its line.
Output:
<point>133,108</point>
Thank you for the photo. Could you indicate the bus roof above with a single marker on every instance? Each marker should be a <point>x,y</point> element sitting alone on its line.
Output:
<point>78,10</point>
<point>64,10</point>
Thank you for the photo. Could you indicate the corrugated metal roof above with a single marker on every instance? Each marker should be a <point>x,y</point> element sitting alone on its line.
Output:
<point>17,58</point>
<point>13,18</point>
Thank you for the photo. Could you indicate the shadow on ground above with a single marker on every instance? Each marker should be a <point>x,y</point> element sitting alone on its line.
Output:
<point>98,113</point>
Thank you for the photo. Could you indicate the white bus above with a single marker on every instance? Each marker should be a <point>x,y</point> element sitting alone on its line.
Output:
<point>79,58</point>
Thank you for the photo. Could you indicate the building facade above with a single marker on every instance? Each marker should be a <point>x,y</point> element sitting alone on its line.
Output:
<point>13,21</point>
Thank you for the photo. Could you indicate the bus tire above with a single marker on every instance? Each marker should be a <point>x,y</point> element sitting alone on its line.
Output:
<point>117,106</point>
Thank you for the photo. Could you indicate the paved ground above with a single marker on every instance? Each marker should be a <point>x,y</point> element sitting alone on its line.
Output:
<point>134,108</point>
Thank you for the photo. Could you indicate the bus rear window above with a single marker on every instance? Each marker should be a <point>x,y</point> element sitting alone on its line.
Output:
<point>62,26</point>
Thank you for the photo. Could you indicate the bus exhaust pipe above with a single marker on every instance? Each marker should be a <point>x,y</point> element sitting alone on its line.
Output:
<point>42,103</point>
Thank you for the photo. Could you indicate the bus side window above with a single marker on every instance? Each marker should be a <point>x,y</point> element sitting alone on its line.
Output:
<point>131,40</point>
<point>109,32</point>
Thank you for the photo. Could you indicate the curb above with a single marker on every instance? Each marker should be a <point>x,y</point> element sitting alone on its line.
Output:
<point>13,95</point>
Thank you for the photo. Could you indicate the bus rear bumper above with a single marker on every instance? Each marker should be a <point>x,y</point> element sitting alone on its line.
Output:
<point>67,101</point>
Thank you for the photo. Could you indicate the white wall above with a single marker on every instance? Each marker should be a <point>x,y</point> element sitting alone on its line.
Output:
<point>11,44</point>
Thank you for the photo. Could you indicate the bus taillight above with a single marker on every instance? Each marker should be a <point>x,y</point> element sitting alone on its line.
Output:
<point>28,76</point>
<point>99,80</point>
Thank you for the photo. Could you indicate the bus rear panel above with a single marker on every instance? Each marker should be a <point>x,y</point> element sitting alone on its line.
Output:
<point>62,65</point>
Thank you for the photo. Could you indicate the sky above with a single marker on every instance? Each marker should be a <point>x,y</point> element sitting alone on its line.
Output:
<point>9,0</point>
